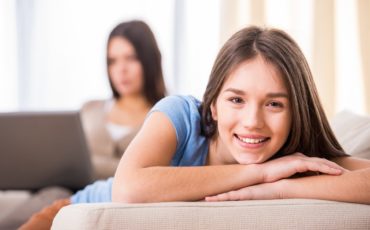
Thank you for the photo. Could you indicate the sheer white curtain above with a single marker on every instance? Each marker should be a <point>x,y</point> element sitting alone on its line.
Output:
<point>350,93</point>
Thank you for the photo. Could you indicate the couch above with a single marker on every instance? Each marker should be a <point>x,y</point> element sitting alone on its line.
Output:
<point>353,132</point>
<point>264,214</point>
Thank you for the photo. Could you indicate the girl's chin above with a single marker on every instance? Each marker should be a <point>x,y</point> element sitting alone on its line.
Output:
<point>251,159</point>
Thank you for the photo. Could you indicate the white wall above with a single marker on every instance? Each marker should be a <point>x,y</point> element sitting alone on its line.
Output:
<point>8,57</point>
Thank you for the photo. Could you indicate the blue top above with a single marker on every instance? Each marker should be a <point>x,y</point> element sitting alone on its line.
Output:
<point>191,148</point>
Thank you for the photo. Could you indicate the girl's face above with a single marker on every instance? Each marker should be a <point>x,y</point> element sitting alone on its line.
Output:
<point>124,67</point>
<point>253,113</point>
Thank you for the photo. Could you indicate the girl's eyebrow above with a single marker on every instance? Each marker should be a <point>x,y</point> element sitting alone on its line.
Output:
<point>236,91</point>
<point>271,95</point>
<point>280,94</point>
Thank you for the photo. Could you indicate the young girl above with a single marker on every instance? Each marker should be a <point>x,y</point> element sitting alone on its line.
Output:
<point>260,124</point>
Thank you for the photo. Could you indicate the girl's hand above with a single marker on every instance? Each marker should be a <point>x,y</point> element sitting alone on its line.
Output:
<point>275,172</point>
<point>287,166</point>
<point>266,191</point>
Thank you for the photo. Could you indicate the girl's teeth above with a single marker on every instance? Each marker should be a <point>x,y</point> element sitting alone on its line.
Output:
<point>251,141</point>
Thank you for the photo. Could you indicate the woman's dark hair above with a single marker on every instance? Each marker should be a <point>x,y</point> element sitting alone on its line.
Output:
<point>142,38</point>
<point>310,131</point>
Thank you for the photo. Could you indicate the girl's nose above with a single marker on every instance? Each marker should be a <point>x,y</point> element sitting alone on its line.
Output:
<point>253,118</point>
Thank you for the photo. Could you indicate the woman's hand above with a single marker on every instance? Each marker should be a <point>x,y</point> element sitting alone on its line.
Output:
<point>287,166</point>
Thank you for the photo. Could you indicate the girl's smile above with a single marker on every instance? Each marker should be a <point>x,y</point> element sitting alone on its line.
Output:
<point>251,141</point>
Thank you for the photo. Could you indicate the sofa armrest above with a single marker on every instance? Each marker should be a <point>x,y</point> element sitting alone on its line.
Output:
<point>266,214</point>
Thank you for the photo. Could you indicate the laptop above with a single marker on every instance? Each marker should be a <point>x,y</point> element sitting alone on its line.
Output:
<point>39,149</point>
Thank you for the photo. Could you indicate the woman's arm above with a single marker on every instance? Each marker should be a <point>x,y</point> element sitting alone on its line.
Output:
<point>351,186</point>
<point>144,174</point>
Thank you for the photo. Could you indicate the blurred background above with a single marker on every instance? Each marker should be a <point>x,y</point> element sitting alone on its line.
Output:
<point>52,52</point>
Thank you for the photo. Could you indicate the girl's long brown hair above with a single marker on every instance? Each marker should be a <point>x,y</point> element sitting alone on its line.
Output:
<point>310,131</point>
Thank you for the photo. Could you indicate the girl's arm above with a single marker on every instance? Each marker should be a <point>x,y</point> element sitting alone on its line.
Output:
<point>352,163</point>
<point>144,173</point>
<point>351,186</point>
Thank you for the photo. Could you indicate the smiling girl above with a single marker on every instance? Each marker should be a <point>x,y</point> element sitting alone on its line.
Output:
<point>260,123</point>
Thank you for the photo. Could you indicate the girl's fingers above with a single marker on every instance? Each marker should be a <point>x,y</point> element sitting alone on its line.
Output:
<point>219,197</point>
<point>329,163</point>
<point>227,196</point>
<point>320,164</point>
<point>323,168</point>
<point>326,166</point>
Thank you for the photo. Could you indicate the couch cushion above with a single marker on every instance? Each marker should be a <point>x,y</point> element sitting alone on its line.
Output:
<point>353,133</point>
<point>22,204</point>
<point>266,214</point>
<point>10,200</point>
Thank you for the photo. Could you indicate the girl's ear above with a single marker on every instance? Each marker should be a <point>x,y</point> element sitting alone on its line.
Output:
<point>214,111</point>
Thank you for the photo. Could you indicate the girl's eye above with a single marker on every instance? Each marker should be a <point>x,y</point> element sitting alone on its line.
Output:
<point>236,100</point>
<point>276,104</point>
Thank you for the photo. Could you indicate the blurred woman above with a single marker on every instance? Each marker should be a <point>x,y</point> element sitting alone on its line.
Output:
<point>136,80</point>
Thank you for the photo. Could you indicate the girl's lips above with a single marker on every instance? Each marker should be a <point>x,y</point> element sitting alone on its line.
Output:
<point>251,136</point>
<point>251,141</point>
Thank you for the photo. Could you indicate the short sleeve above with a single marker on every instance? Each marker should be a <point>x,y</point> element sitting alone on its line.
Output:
<point>184,116</point>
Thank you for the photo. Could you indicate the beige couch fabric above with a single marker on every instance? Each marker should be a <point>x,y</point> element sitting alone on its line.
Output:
<point>267,214</point>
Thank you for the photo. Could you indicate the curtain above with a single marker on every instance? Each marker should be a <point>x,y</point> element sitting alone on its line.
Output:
<point>364,30</point>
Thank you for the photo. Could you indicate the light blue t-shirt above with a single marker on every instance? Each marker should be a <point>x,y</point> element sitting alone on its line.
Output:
<point>191,149</point>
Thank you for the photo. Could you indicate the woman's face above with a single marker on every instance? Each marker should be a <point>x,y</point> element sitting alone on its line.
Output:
<point>125,69</point>
<point>253,113</point>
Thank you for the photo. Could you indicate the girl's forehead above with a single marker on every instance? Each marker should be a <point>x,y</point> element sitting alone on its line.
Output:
<point>255,73</point>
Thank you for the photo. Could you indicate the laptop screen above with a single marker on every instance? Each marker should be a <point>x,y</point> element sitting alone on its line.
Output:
<point>39,149</point>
